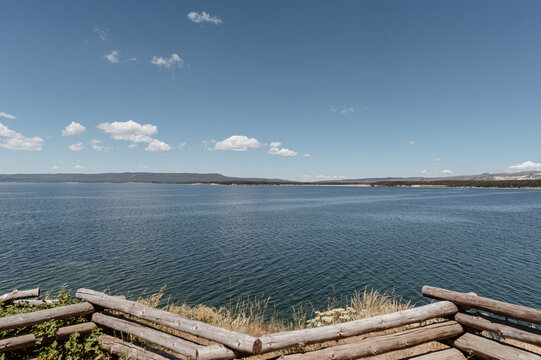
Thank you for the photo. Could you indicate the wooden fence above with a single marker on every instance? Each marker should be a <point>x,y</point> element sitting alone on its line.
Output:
<point>458,320</point>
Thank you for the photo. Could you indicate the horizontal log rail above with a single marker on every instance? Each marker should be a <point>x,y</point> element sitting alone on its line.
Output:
<point>154,336</point>
<point>287,339</point>
<point>501,308</point>
<point>19,294</point>
<point>36,317</point>
<point>384,343</point>
<point>129,350</point>
<point>447,354</point>
<point>236,341</point>
<point>485,348</point>
<point>505,331</point>
<point>29,340</point>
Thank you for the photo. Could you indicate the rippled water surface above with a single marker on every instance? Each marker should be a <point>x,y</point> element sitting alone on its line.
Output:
<point>298,245</point>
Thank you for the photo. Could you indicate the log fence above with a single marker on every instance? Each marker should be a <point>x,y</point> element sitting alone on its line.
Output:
<point>454,320</point>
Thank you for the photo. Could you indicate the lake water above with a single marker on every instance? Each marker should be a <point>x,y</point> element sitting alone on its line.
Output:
<point>298,245</point>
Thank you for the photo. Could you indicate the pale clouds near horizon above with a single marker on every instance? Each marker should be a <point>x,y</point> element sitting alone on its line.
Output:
<point>204,17</point>
<point>168,63</point>
<point>526,166</point>
<point>79,167</point>
<point>73,129</point>
<point>7,116</point>
<point>13,140</point>
<point>96,146</point>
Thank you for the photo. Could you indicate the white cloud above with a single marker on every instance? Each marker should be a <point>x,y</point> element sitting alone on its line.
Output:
<point>436,160</point>
<point>168,63</point>
<point>142,167</point>
<point>157,145</point>
<point>182,146</point>
<point>275,150</point>
<point>77,146</point>
<point>79,167</point>
<point>113,56</point>
<point>306,155</point>
<point>344,110</point>
<point>102,32</point>
<point>424,172</point>
<point>73,129</point>
<point>204,17</point>
<point>411,143</point>
<point>526,166</point>
<point>132,146</point>
<point>96,146</point>
<point>7,116</point>
<point>330,177</point>
<point>12,140</point>
<point>447,172</point>
<point>129,131</point>
<point>235,143</point>
<point>55,167</point>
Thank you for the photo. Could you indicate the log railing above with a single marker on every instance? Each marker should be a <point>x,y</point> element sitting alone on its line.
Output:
<point>448,321</point>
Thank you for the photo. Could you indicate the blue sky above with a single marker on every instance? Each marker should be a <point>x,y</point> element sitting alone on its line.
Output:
<point>302,90</point>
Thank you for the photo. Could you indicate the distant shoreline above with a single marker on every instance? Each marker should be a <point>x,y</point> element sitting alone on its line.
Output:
<point>465,184</point>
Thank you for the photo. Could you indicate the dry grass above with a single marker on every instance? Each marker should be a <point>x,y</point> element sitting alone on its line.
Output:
<point>255,316</point>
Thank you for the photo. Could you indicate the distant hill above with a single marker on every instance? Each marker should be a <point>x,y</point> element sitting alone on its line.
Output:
<point>531,178</point>
<point>135,177</point>
<point>528,175</point>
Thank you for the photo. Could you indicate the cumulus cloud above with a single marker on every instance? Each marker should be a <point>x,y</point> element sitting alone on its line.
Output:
<point>204,17</point>
<point>79,167</point>
<point>73,129</point>
<point>157,145</point>
<point>55,167</point>
<point>447,172</point>
<point>12,140</point>
<point>7,116</point>
<point>132,146</point>
<point>276,150</point>
<point>112,57</point>
<point>234,143</point>
<point>102,32</point>
<point>77,146</point>
<point>129,131</point>
<point>343,110</point>
<point>96,146</point>
<point>411,143</point>
<point>167,63</point>
<point>526,166</point>
<point>424,172</point>
<point>182,146</point>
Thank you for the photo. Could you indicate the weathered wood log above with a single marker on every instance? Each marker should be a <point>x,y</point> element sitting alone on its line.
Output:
<point>233,340</point>
<point>62,312</point>
<point>129,350</point>
<point>485,348</point>
<point>384,343</point>
<point>505,331</point>
<point>19,294</point>
<point>273,342</point>
<point>29,340</point>
<point>34,302</point>
<point>447,354</point>
<point>496,307</point>
<point>154,336</point>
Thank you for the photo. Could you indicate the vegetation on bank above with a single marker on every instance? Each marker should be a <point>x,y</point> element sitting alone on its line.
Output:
<point>253,316</point>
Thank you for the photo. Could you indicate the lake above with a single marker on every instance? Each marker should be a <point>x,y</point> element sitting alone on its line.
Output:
<point>296,244</point>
